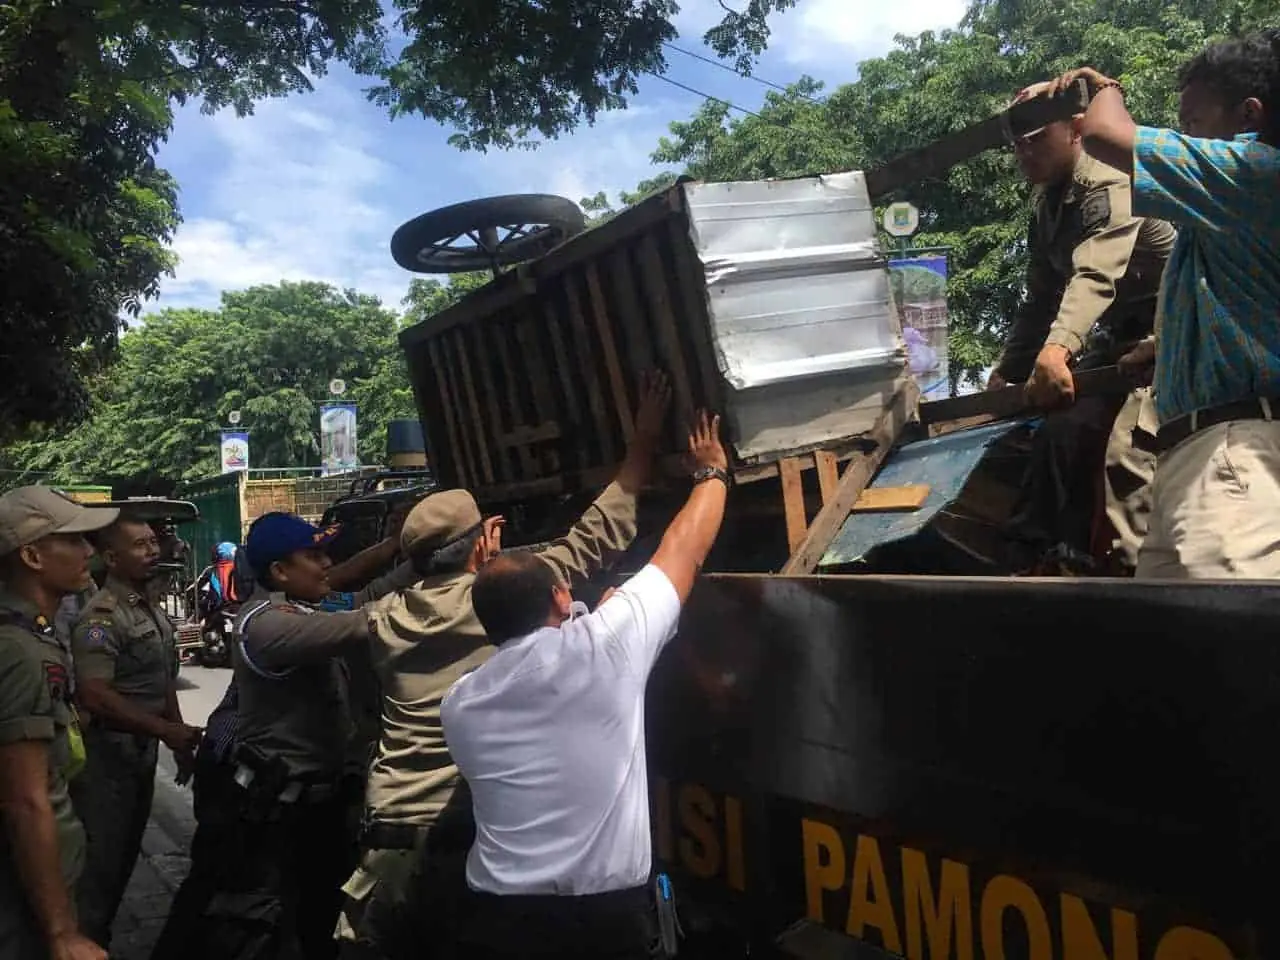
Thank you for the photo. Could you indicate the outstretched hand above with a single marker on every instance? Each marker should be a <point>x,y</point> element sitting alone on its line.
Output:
<point>655,398</point>
<point>1091,76</point>
<point>705,448</point>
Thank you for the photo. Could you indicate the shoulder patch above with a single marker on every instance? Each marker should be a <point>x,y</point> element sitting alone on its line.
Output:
<point>1095,210</point>
<point>55,675</point>
<point>96,635</point>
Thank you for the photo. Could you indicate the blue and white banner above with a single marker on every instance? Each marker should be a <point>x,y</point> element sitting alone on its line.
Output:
<point>338,451</point>
<point>235,451</point>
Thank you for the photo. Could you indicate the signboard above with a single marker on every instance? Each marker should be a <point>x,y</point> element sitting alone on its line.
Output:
<point>901,219</point>
<point>235,451</point>
<point>919,289</point>
<point>338,452</point>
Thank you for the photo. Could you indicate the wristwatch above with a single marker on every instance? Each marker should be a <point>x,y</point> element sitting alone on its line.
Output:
<point>709,473</point>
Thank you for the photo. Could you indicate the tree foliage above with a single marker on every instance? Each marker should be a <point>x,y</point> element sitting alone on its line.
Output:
<point>935,83</point>
<point>268,352</point>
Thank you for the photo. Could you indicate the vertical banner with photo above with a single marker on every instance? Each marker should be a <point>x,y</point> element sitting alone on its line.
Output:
<point>919,287</point>
<point>235,451</point>
<point>338,438</point>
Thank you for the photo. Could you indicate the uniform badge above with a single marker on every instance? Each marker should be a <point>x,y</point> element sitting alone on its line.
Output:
<point>55,675</point>
<point>96,635</point>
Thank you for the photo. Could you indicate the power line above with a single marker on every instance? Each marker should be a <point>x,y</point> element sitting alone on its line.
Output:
<point>736,73</point>
<point>707,96</point>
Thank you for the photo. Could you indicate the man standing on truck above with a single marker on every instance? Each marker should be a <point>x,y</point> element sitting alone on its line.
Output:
<point>1091,292</point>
<point>425,637</point>
<point>1217,353</point>
<point>126,675</point>
<point>550,734</point>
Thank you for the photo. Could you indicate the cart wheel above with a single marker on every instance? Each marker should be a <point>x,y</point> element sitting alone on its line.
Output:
<point>486,234</point>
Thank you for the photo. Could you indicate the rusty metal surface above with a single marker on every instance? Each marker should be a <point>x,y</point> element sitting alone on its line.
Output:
<point>1091,758</point>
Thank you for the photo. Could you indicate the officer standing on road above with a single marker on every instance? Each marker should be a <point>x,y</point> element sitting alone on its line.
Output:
<point>424,638</point>
<point>126,675</point>
<point>43,556</point>
<point>1091,294</point>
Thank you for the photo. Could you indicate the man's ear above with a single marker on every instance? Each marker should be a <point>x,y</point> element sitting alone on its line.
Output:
<point>29,556</point>
<point>1252,115</point>
<point>278,574</point>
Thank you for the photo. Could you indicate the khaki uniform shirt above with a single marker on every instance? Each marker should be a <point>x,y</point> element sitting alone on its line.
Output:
<point>427,636</point>
<point>34,705</point>
<point>289,664</point>
<point>122,639</point>
<point>1093,265</point>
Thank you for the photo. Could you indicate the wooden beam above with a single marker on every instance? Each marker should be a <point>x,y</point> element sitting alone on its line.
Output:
<point>806,557</point>
<point>1011,401</point>
<point>892,499</point>
<point>828,465</point>
<point>793,501</point>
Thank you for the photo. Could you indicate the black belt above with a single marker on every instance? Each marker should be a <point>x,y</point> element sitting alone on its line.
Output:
<point>392,836</point>
<point>1175,431</point>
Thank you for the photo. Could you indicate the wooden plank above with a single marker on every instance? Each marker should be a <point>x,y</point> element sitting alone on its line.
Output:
<point>524,436</point>
<point>587,246</point>
<point>446,409</point>
<point>476,307</point>
<point>793,502</point>
<point>664,324</point>
<point>805,558</point>
<point>479,434</point>
<point>627,311</point>
<point>590,372</point>
<point>604,329</point>
<point>1012,401</point>
<point>515,409</point>
<point>536,369</point>
<point>561,360</point>
<point>694,318</point>
<point>490,390</point>
<point>892,499</point>
<point>828,473</point>
<point>936,158</point>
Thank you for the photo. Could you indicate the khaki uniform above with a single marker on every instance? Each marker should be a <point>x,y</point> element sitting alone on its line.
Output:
<point>34,705</point>
<point>425,638</point>
<point>123,640</point>
<point>1092,286</point>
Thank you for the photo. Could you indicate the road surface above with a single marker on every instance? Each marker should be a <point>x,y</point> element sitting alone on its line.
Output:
<point>164,860</point>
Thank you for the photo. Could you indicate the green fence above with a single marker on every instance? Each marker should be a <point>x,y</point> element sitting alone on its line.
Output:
<point>220,501</point>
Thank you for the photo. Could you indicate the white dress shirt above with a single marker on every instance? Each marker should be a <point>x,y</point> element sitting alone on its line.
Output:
<point>549,733</point>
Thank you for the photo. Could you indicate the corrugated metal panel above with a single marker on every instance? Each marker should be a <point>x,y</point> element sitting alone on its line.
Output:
<point>218,500</point>
<point>795,283</point>
<point>944,463</point>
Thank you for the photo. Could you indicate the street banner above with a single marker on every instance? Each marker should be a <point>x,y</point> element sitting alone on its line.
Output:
<point>338,438</point>
<point>919,287</point>
<point>235,451</point>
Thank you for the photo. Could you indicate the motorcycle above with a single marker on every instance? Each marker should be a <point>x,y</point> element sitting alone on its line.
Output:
<point>207,640</point>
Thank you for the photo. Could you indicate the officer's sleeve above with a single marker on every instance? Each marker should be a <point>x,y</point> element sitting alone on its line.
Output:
<point>1101,258</point>
<point>1033,319</point>
<point>95,645</point>
<point>26,708</point>
<point>398,578</point>
<point>283,636</point>
<point>600,535</point>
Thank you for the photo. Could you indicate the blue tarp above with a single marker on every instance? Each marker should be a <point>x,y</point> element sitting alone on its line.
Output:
<point>943,463</point>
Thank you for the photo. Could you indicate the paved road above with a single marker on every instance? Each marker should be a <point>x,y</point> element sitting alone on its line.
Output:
<point>164,860</point>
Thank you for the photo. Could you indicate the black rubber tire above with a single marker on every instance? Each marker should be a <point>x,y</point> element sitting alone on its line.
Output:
<point>562,217</point>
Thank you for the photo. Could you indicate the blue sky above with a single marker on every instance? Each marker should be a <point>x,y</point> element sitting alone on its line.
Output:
<point>312,186</point>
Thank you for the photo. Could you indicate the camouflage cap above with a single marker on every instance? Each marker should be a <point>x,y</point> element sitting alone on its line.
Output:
<point>438,520</point>
<point>28,514</point>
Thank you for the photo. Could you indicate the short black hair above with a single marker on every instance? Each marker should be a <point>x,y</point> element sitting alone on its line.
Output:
<point>451,558</point>
<point>1235,69</point>
<point>512,595</point>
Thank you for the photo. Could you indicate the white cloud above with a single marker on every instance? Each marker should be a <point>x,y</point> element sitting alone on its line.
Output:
<point>832,32</point>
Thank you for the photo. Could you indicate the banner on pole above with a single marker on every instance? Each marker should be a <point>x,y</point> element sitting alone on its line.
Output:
<point>919,288</point>
<point>235,451</point>
<point>338,452</point>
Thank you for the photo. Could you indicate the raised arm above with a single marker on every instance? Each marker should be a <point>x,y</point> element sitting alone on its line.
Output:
<point>689,538</point>
<point>609,525</point>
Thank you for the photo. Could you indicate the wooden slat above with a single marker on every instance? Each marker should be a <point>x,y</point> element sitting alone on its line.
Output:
<point>535,368</point>
<point>454,386</point>
<point>490,390</point>
<point>604,329</point>
<point>590,372</point>
<point>627,311</point>
<point>806,557</point>
<point>892,499</point>
<point>1012,401</point>
<point>793,502</point>
<point>516,414</point>
<point>828,473</point>
<point>525,436</point>
<point>669,345</point>
<point>446,410</point>
<point>693,315</point>
<point>561,360</point>
<point>479,434</point>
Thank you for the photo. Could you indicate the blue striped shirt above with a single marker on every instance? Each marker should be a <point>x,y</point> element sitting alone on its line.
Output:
<point>1219,338</point>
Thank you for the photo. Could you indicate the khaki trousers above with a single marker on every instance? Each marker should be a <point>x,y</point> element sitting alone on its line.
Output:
<point>1215,509</point>
<point>1129,472</point>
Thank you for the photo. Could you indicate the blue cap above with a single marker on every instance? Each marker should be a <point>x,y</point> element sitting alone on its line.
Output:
<point>273,536</point>
<point>225,551</point>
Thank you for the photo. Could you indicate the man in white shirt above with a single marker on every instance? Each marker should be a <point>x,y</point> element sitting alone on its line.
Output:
<point>549,733</point>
